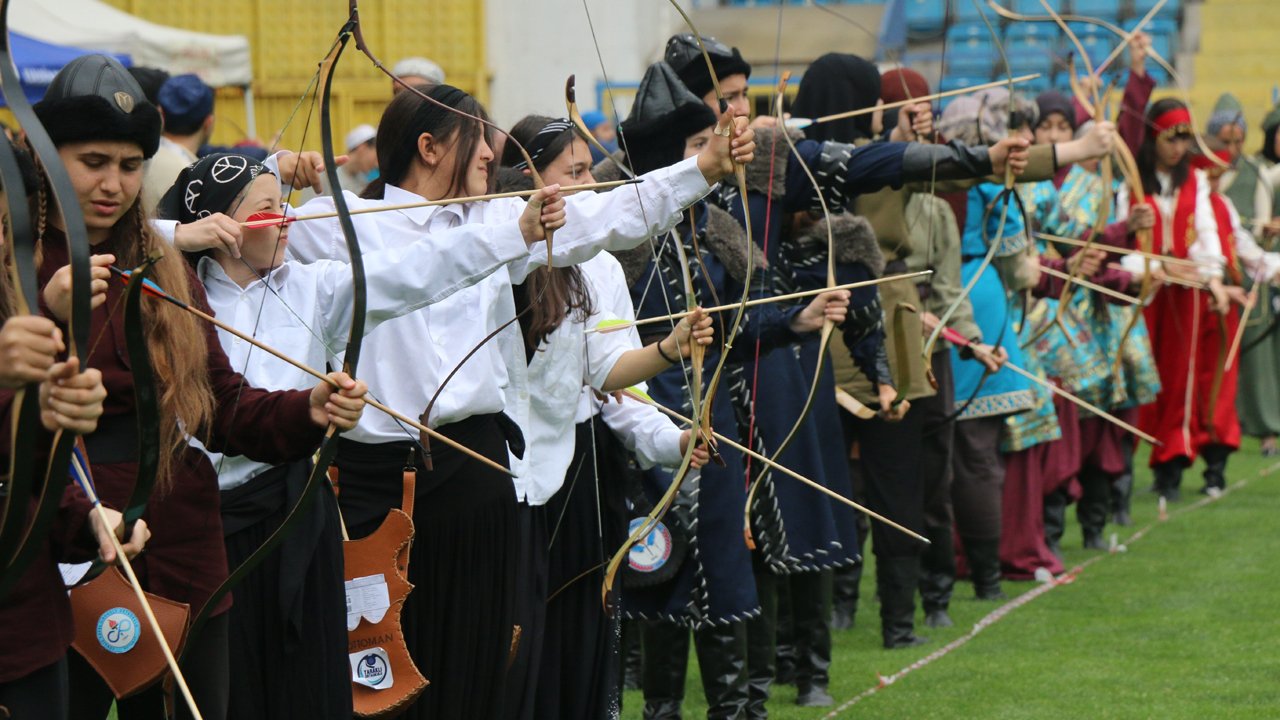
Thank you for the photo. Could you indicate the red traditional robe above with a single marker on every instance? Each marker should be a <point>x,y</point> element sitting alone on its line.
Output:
<point>1175,320</point>
<point>1219,424</point>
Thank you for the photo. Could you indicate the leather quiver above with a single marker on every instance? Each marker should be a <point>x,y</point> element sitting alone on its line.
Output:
<point>385,553</point>
<point>114,637</point>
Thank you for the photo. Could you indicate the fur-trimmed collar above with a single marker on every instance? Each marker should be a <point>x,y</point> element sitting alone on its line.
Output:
<point>855,240</point>
<point>725,238</point>
<point>758,170</point>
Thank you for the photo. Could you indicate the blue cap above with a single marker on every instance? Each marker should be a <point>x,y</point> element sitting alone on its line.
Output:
<point>186,102</point>
<point>593,119</point>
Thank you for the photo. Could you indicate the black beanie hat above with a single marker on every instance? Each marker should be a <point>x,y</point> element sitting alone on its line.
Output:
<point>664,115</point>
<point>685,57</point>
<point>95,98</point>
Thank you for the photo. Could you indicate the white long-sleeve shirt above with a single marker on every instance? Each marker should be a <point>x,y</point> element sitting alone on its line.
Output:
<point>645,431</point>
<point>1256,262</point>
<point>1205,249</point>
<point>409,356</point>
<point>305,311</point>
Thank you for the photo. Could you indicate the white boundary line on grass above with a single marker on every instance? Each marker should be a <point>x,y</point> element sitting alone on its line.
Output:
<point>999,613</point>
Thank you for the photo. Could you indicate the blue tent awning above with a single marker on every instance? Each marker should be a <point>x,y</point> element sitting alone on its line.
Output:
<point>39,61</point>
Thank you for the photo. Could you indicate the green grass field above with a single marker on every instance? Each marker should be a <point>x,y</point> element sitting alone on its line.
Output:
<point>1182,625</point>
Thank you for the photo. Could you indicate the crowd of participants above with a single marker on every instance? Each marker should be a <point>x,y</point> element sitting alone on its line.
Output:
<point>561,335</point>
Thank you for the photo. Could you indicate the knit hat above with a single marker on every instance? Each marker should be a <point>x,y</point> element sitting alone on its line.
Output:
<point>685,57</point>
<point>95,98</point>
<point>1227,111</point>
<point>665,113</point>
<point>901,84</point>
<point>186,102</point>
<point>360,135</point>
<point>1052,101</point>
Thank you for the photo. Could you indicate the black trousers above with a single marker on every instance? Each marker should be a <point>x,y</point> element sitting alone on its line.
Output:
<point>205,668</point>
<point>891,470</point>
<point>977,492</point>
<point>41,695</point>
<point>938,563</point>
<point>459,619</point>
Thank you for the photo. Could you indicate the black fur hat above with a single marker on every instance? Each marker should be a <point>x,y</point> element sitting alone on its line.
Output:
<point>663,116</point>
<point>95,98</point>
<point>684,55</point>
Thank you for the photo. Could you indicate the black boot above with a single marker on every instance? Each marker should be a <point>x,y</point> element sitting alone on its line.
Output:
<point>809,608</point>
<point>1055,520</point>
<point>1169,479</point>
<point>844,605</point>
<point>937,577</point>
<point>897,579</point>
<point>984,568</point>
<point>1121,492</point>
<point>1215,470</point>
<point>761,645</point>
<point>784,638</point>
<point>722,658</point>
<point>631,633</point>
<point>666,656</point>
<point>1091,510</point>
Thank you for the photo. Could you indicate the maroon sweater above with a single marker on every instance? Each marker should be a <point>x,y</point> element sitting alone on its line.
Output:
<point>185,559</point>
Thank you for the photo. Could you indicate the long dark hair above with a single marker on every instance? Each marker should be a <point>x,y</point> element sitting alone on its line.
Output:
<point>1147,151</point>
<point>1269,145</point>
<point>408,116</point>
<point>561,290</point>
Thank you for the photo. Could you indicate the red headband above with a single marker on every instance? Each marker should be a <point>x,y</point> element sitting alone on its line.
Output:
<point>1175,120</point>
<point>1206,162</point>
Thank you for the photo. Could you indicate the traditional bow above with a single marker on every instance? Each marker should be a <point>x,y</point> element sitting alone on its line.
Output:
<point>30,540</point>
<point>355,339</point>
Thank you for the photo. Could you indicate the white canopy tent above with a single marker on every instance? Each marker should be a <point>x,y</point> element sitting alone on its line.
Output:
<point>219,60</point>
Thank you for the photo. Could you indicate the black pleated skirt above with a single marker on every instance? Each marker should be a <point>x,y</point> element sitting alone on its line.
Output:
<point>587,521</point>
<point>287,631</point>
<point>458,619</point>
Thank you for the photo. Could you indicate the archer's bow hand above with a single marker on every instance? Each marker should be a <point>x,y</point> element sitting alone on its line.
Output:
<point>1097,143</point>
<point>29,345</point>
<point>1086,263</point>
<point>1141,217</point>
<point>914,122</point>
<point>1139,48</point>
<point>696,327</point>
<point>304,170</point>
<point>544,211</point>
<point>991,358</point>
<point>72,400</point>
<point>700,453</point>
<point>832,305</point>
<point>57,294</point>
<point>340,407</point>
<point>212,232</point>
<point>103,530</point>
<point>717,159</point>
<point>1010,152</point>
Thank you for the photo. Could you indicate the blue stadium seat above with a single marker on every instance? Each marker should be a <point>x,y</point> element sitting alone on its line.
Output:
<point>1163,32</point>
<point>1027,61</point>
<point>969,36</point>
<point>1043,36</point>
<point>1170,9</point>
<point>1033,7</point>
<point>926,16</point>
<point>1108,10</point>
<point>965,11</point>
<point>955,82</point>
<point>970,64</point>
